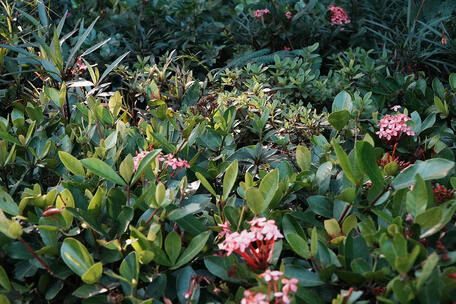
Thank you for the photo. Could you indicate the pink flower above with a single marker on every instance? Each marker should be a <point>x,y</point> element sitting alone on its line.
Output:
<point>137,159</point>
<point>255,246</point>
<point>290,285</point>
<point>259,13</point>
<point>225,229</point>
<point>395,108</point>
<point>286,48</point>
<point>254,298</point>
<point>338,15</point>
<point>289,15</point>
<point>269,275</point>
<point>393,127</point>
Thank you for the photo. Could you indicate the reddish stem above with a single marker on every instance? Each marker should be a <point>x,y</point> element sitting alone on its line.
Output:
<point>30,249</point>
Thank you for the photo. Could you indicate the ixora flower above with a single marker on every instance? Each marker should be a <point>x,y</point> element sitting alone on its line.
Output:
<point>137,159</point>
<point>393,127</point>
<point>255,246</point>
<point>338,15</point>
<point>259,13</point>
<point>278,290</point>
<point>288,15</point>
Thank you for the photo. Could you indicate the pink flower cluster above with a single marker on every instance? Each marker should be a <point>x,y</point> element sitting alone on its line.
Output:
<point>137,159</point>
<point>281,296</point>
<point>259,13</point>
<point>80,67</point>
<point>338,15</point>
<point>392,127</point>
<point>288,15</point>
<point>174,162</point>
<point>169,160</point>
<point>255,246</point>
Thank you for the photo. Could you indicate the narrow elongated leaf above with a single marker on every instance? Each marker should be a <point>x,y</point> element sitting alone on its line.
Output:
<point>111,67</point>
<point>205,183</point>
<point>344,163</point>
<point>195,246</point>
<point>80,41</point>
<point>95,47</point>
<point>103,170</point>
<point>73,164</point>
<point>230,178</point>
<point>9,138</point>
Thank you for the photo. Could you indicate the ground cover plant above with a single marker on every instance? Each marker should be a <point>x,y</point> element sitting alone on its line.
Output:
<point>205,152</point>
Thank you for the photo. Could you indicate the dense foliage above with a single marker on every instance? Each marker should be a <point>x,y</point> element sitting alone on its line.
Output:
<point>241,151</point>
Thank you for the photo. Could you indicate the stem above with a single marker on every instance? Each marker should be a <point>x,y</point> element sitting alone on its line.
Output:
<point>379,195</point>
<point>95,241</point>
<point>344,213</point>
<point>151,216</point>
<point>128,195</point>
<point>99,130</point>
<point>67,103</point>
<point>5,179</point>
<point>30,249</point>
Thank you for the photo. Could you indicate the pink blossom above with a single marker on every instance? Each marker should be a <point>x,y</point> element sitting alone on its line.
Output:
<point>338,15</point>
<point>259,13</point>
<point>290,284</point>
<point>137,159</point>
<point>225,229</point>
<point>286,48</point>
<point>392,127</point>
<point>254,298</point>
<point>269,275</point>
<point>289,15</point>
<point>395,108</point>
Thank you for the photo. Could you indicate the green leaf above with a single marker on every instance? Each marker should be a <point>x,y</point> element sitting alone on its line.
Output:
<point>428,267</point>
<point>103,170</point>
<point>160,194</point>
<point>320,205</point>
<point>339,119</point>
<point>342,101</point>
<point>126,168</point>
<point>53,290</point>
<point>93,274</point>
<point>344,163</point>
<point>298,244</point>
<point>76,256</point>
<point>314,242</point>
<point>145,162</point>
<point>112,65</point>
<point>173,246</point>
<point>255,200</point>
<point>229,179</point>
<point>416,202</point>
<point>195,246</point>
<point>303,158</point>
<point>42,13</point>
<point>9,138</point>
<point>129,269</point>
<point>64,200</point>
<point>306,277</point>
<point>430,169</point>
<point>7,203</point>
<point>4,280</point>
<point>429,218</point>
<point>78,44</point>
<point>349,224</point>
<point>205,183</point>
<point>453,81</point>
<point>332,227</point>
<point>323,172</point>
<point>366,158</point>
<point>268,186</point>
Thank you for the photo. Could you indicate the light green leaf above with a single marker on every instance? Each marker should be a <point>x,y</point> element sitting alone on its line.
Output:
<point>339,119</point>
<point>94,273</point>
<point>430,169</point>
<point>173,246</point>
<point>268,186</point>
<point>76,256</point>
<point>4,280</point>
<point>103,170</point>
<point>299,245</point>
<point>255,200</point>
<point>205,183</point>
<point>303,158</point>
<point>126,168</point>
<point>71,163</point>
<point>416,201</point>
<point>146,161</point>
<point>344,163</point>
